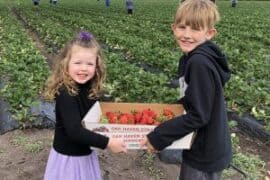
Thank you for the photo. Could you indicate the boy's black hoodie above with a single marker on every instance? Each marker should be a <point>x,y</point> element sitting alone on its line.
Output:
<point>205,72</point>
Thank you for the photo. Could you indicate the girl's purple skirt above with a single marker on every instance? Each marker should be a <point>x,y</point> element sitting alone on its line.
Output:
<point>63,167</point>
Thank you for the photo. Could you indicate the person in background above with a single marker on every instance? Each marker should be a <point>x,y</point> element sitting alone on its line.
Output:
<point>53,2</point>
<point>75,85</point>
<point>107,3</point>
<point>234,3</point>
<point>129,5</point>
<point>35,2</point>
<point>203,72</point>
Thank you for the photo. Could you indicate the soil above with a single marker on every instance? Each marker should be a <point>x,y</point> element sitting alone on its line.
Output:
<point>24,153</point>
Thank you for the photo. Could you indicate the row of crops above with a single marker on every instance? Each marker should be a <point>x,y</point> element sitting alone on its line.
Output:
<point>23,69</point>
<point>142,56</point>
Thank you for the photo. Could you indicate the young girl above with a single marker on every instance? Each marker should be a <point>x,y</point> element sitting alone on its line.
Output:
<point>75,85</point>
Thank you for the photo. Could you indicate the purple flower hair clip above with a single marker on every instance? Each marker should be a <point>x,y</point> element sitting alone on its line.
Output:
<point>85,36</point>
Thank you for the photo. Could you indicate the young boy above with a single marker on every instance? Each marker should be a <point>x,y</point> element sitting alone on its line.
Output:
<point>203,72</point>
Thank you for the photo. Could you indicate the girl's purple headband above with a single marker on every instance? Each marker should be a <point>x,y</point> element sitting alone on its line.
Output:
<point>85,36</point>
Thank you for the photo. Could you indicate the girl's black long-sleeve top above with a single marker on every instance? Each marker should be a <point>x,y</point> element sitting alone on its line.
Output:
<point>70,137</point>
<point>205,71</point>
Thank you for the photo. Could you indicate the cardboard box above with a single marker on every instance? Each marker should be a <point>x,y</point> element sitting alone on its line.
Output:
<point>131,134</point>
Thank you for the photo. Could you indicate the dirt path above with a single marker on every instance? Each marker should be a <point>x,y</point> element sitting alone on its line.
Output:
<point>20,159</point>
<point>23,156</point>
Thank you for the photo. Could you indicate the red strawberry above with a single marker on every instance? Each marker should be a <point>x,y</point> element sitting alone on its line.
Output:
<point>168,113</point>
<point>144,119</point>
<point>150,120</point>
<point>138,117</point>
<point>123,119</point>
<point>112,117</point>
<point>131,118</point>
<point>150,113</point>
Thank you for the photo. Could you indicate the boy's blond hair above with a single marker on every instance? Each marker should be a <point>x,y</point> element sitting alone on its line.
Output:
<point>197,14</point>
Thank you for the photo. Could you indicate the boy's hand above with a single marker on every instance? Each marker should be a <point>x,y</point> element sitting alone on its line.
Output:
<point>145,142</point>
<point>117,145</point>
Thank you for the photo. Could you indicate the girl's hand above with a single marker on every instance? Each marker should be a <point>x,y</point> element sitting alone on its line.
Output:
<point>145,142</point>
<point>117,145</point>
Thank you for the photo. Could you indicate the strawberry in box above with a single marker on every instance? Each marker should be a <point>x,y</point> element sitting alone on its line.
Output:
<point>146,116</point>
<point>132,121</point>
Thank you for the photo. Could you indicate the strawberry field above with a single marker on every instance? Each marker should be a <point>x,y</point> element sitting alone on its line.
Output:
<point>141,54</point>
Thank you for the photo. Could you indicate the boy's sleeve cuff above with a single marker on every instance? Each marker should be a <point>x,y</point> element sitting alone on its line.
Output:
<point>156,141</point>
